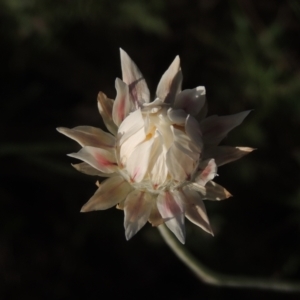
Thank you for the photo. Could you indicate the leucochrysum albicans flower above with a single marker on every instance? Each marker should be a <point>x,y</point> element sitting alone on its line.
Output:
<point>160,157</point>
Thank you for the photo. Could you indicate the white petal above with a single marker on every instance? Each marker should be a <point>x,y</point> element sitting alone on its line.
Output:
<point>180,165</point>
<point>137,208</point>
<point>170,204</point>
<point>105,106</point>
<point>111,192</point>
<point>171,207</point>
<point>191,100</point>
<point>195,210</point>
<point>100,159</point>
<point>138,88</point>
<point>177,116</point>
<point>123,104</point>
<point>203,112</point>
<point>130,125</point>
<point>225,154</point>
<point>158,170</point>
<point>215,128</point>
<point>130,144</point>
<point>170,83</point>
<point>131,133</point>
<point>89,170</point>
<point>184,143</point>
<point>176,225</point>
<point>197,187</point>
<point>138,161</point>
<point>207,171</point>
<point>153,107</point>
<point>192,129</point>
<point>89,136</point>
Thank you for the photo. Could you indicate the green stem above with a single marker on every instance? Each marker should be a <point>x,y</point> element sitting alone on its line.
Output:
<point>210,277</point>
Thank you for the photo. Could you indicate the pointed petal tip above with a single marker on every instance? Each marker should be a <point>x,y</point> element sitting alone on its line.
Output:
<point>75,166</point>
<point>62,130</point>
<point>124,55</point>
<point>181,238</point>
<point>128,235</point>
<point>87,207</point>
<point>247,149</point>
<point>84,209</point>
<point>177,59</point>
<point>246,112</point>
<point>210,231</point>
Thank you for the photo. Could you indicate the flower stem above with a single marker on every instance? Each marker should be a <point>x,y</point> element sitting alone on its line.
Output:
<point>210,277</point>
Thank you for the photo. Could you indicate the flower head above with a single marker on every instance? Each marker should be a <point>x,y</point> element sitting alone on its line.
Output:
<point>160,157</point>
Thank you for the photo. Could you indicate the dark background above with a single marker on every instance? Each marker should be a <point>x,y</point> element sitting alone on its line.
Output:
<point>55,57</point>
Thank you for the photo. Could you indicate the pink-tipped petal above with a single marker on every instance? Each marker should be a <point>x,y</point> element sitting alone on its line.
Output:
<point>89,136</point>
<point>89,170</point>
<point>207,171</point>
<point>172,207</point>
<point>105,106</point>
<point>123,104</point>
<point>195,210</point>
<point>111,192</point>
<point>137,208</point>
<point>100,159</point>
<point>132,76</point>
<point>191,101</point>
<point>215,128</point>
<point>170,204</point>
<point>170,83</point>
<point>225,154</point>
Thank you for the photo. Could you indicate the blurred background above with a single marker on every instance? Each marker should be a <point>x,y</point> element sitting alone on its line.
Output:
<point>56,55</point>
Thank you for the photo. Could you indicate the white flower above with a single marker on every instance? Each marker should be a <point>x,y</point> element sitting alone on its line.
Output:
<point>161,156</point>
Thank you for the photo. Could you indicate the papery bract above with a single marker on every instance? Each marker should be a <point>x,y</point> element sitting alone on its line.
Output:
<point>160,159</point>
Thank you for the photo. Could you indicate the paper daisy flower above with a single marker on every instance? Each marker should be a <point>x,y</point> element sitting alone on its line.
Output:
<point>160,157</point>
